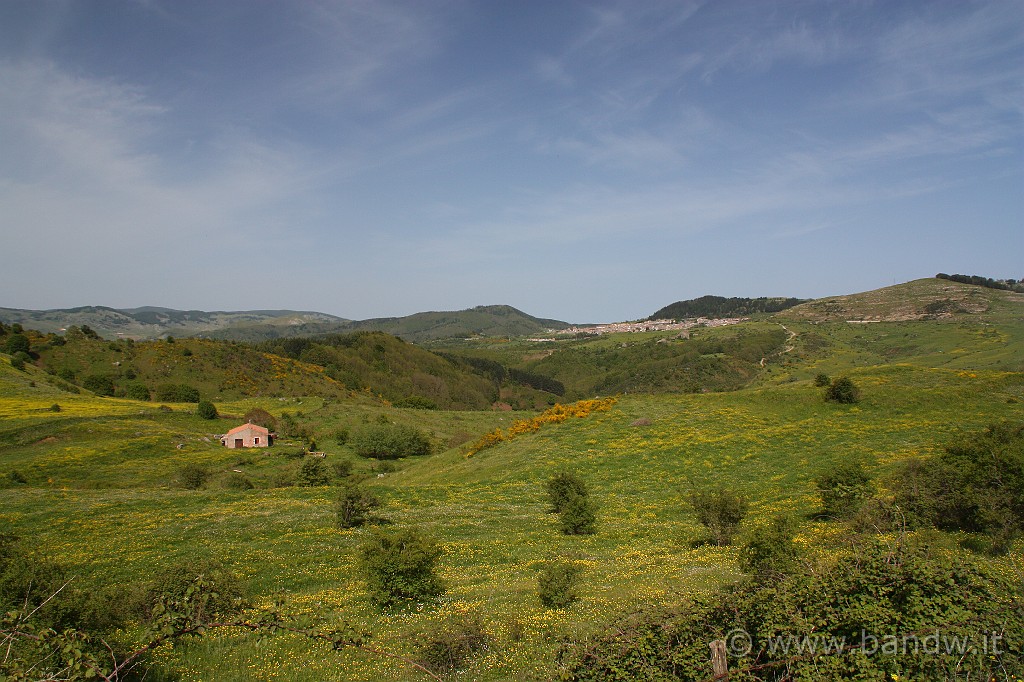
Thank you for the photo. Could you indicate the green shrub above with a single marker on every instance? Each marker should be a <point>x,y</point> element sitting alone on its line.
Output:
<point>556,584</point>
<point>136,391</point>
<point>720,511</point>
<point>843,489</point>
<point>342,468</point>
<point>313,473</point>
<point>224,595</point>
<point>452,645</point>
<point>870,599</point>
<point>261,417</point>
<point>100,384</point>
<point>562,486</point>
<point>341,436</point>
<point>975,484</point>
<point>193,476</point>
<point>417,403</point>
<point>389,441</point>
<point>770,552</point>
<point>67,374</point>
<point>353,505</point>
<point>55,407</point>
<point>578,516</point>
<point>206,410</point>
<point>18,343</point>
<point>176,393</point>
<point>822,380</point>
<point>16,478</point>
<point>400,565</point>
<point>18,361</point>
<point>842,390</point>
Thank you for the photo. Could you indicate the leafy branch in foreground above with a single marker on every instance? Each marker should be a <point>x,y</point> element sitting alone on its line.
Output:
<point>31,652</point>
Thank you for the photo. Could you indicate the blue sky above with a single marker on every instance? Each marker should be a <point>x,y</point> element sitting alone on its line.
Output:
<point>587,161</point>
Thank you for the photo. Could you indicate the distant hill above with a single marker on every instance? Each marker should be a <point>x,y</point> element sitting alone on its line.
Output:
<point>489,320</point>
<point>929,298</point>
<point>261,325</point>
<point>719,306</point>
<point>154,323</point>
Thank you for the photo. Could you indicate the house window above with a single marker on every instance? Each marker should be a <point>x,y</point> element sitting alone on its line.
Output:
<point>256,440</point>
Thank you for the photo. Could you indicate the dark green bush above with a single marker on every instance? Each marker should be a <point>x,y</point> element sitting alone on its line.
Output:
<point>400,565</point>
<point>341,436</point>
<point>562,486</point>
<point>843,489</point>
<point>313,473</point>
<point>55,407</point>
<point>225,594</point>
<point>342,468</point>
<point>100,384</point>
<point>18,361</point>
<point>842,390</point>
<point>578,516</point>
<point>206,410</point>
<point>822,380</point>
<point>261,417</point>
<point>136,391</point>
<point>720,511</point>
<point>875,597</point>
<point>16,478</point>
<point>389,441</point>
<point>975,484</point>
<point>67,374</point>
<point>417,402</point>
<point>193,476</point>
<point>18,343</point>
<point>176,393</point>
<point>557,582</point>
<point>354,504</point>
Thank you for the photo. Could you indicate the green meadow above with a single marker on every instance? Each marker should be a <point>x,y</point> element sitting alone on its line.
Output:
<point>101,496</point>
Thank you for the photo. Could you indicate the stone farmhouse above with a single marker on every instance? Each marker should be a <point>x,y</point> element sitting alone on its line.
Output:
<point>248,436</point>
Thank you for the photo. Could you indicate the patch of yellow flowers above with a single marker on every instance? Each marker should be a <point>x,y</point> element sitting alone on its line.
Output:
<point>555,415</point>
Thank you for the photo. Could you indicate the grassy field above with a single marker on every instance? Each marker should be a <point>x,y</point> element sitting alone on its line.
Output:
<point>101,494</point>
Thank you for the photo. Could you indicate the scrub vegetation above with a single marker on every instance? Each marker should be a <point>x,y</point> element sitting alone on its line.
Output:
<point>746,505</point>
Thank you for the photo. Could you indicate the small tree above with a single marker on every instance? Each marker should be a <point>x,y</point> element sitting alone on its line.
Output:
<point>353,505</point>
<point>18,343</point>
<point>720,511</point>
<point>400,565</point>
<point>193,476</point>
<point>578,516</point>
<point>843,489</point>
<point>842,390</point>
<point>205,409</point>
<point>562,486</point>
<point>452,645</point>
<point>314,473</point>
<point>556,584</point>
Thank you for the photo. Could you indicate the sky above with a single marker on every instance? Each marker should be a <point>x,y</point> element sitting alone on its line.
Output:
<point>585,161</point>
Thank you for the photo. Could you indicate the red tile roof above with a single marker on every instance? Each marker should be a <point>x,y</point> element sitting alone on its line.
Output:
<point>244,427</point>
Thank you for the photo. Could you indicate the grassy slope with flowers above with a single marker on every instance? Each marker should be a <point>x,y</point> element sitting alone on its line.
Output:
<point>921,381</point>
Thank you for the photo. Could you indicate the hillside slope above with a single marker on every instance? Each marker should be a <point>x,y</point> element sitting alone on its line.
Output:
<point>921,299</point>
<point>153,323</point>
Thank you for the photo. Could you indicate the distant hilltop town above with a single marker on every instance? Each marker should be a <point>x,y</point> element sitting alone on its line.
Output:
<point>653,325</point>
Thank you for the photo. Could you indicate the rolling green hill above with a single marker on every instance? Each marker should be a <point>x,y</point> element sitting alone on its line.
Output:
<point>99,491</point>
<point>154,323</point>
<point>719,306</point>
